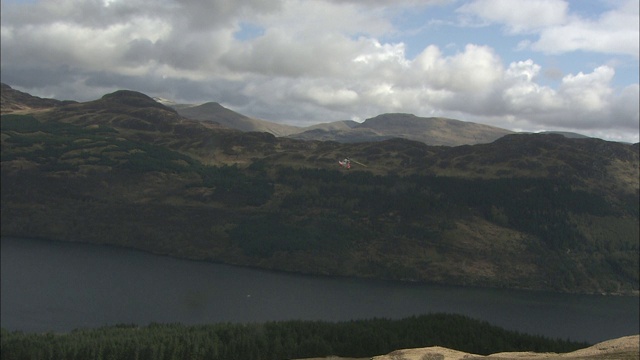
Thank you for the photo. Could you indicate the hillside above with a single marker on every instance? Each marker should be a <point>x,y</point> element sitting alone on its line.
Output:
<point>16,101</point>
<point>530,211</point>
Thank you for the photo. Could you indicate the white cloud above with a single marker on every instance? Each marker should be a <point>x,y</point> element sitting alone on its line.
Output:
<point>522,95</point>
<point>384,53</point>
<point>311,18</point>
<point>327,96</point>
<point>474,70</point>
<point>615,32</point>
<point>277,53</point>
<point>625,107</point>
<point>588,92</point>
<point>518,16</point>
<point>560,30</point>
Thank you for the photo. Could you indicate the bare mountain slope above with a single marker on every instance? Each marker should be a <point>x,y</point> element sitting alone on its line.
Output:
<point>215,112</point>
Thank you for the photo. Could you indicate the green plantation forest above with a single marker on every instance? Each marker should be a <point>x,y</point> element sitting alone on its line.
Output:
<point>276,340</point>
<point>529,211</point>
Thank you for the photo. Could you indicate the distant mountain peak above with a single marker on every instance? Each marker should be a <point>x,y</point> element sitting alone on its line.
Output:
<point>135,99</point>
<point>214,106</point>
<point>215,112</point>
<point>567,134</point>
<point>391,118</point>
<point>394,116</point>
<point>128,95</point>
<point>432,130</point>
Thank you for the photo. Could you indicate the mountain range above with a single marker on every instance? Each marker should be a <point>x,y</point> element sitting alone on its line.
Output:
<point>529,211</point>
<point>431,131</point>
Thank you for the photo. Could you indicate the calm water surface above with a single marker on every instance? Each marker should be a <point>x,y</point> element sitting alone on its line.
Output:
<point>55,286</point>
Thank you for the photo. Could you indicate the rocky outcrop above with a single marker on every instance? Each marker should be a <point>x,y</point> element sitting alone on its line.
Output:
<point>624,348</point>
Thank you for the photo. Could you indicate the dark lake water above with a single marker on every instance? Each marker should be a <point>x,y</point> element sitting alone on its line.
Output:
<point>56,286</point>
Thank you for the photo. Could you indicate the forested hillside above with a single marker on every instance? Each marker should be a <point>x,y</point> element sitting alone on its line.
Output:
<point>529,211</point>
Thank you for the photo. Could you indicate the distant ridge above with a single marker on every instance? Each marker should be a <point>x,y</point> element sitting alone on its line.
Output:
<point>431,131</point>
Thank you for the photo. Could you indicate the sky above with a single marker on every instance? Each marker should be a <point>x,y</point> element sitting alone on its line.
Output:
<point>522,65</point>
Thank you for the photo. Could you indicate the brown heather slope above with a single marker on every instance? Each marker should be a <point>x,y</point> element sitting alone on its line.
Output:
<point>17,101</point>
<point>526,211</point>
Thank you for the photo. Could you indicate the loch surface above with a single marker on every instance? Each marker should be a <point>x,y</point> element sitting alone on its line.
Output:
<point>57,286</point>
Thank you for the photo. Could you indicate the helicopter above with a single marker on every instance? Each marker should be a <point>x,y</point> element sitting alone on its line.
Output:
<point>346,163</point>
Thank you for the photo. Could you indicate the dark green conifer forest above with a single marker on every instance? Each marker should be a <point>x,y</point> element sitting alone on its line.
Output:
<point>275,340</point>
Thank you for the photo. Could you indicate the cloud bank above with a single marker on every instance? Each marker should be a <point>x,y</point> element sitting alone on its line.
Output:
<point>307,61</point>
